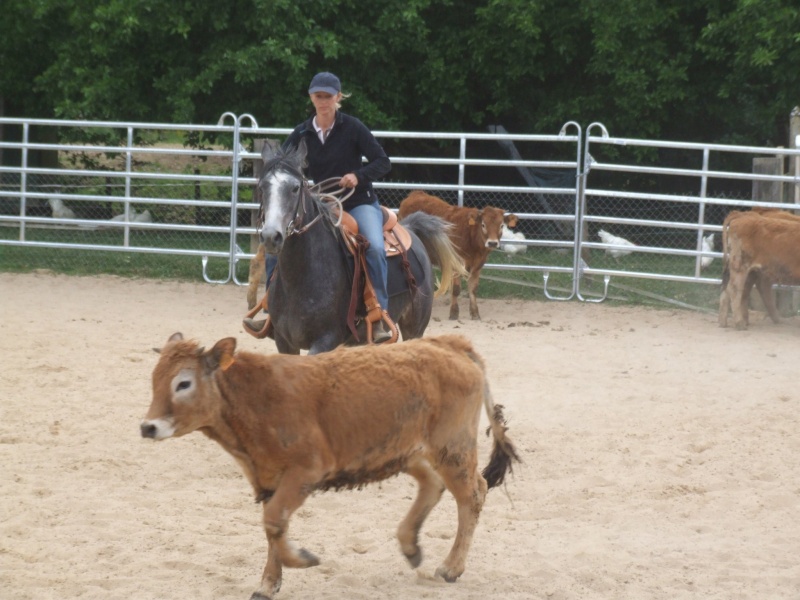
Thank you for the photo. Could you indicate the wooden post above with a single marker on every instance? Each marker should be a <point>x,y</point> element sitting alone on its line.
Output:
<point>794,169</point>
<point>768,191</point>
<point>794,143</point>
<point>258,167</point>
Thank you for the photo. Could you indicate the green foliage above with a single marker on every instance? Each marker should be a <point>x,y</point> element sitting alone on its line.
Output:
<point>687,69</point>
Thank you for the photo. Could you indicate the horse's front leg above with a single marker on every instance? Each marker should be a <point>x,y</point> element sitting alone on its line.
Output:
<point>294,488</point>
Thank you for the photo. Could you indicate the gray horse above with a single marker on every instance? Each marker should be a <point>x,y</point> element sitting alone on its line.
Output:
<point>310,296</point>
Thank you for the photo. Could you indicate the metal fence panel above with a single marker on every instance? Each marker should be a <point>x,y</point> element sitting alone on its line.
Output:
<point>675,237</point>
<point>185,193</point>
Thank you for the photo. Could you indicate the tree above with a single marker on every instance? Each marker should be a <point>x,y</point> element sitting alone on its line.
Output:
<point>710,70</point>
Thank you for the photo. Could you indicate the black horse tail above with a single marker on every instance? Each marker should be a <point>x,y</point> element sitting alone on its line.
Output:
<point>433,232</point>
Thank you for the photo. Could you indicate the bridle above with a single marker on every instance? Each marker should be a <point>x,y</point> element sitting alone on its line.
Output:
<point>327,190</point>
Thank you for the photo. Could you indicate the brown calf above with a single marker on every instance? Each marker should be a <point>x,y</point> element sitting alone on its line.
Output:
<point>761,279</point>
<point>475,233</point>
<point>342,419</point>
<point>759,249</point>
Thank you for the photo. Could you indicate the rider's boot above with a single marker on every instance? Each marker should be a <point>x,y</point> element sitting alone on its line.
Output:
<point>379,333</point>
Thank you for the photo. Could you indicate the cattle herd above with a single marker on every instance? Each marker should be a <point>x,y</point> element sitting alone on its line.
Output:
<point>297,425</point>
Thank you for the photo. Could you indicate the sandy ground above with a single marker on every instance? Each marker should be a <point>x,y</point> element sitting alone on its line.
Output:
<point>661,459</point>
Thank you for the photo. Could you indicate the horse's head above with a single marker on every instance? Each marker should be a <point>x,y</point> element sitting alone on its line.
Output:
<point>281,186</point>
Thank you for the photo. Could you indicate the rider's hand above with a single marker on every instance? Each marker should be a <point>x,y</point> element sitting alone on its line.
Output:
<point>348,181</point>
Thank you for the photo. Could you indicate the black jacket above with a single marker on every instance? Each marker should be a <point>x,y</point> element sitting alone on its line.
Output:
<point>341,153</point>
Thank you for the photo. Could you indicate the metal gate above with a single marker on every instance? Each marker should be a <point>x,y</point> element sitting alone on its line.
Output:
<point>185,192</point>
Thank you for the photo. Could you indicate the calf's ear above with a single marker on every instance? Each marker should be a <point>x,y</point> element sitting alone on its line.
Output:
<point>175,337</point>
<point>511,220</point>
<point>221,355</point>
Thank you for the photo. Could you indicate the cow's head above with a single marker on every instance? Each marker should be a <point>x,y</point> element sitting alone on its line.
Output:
<point>490,220</point>
<point>185,397</point>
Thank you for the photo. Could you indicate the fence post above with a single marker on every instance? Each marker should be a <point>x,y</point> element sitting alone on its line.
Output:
<point>258,167</point>
<point>768,191</point>
<point>794,169</point>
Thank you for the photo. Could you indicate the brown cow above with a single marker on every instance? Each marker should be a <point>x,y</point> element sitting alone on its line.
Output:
<point>756,277</point>
<point>759,249</point>
<point>475,233</point>
<point>340,419</point>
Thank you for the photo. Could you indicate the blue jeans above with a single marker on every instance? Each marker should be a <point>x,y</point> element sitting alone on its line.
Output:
<point>370,224</point>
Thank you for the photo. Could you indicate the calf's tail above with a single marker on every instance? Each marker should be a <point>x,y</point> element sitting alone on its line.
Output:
<point>504,454</point>
<point>726,272</point>
<point>433,232</point>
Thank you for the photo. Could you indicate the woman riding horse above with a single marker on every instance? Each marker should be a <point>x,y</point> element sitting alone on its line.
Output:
<point>335,145</point>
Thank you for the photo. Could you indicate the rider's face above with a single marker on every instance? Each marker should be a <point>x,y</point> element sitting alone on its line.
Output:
<point>324,102</point>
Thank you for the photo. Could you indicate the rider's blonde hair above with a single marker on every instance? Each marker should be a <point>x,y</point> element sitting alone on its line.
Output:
<point>343,97</point>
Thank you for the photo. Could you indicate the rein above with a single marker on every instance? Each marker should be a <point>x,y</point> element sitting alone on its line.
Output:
<point>327,191</point>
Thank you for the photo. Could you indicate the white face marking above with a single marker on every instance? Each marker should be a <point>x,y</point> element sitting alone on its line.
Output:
<point>275,218</point>
<point>183,386</point>
<point>164,428</point>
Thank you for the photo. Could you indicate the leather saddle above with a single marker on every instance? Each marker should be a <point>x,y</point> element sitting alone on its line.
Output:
<point>396,239</point>
<point>396,242</point>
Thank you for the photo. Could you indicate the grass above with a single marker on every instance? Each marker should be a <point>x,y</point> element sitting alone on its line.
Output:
<point>659,292</point>
<point>495,283</point>
<point>123,263</point>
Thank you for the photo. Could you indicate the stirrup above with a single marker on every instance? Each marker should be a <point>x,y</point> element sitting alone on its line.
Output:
<point>389,323</point>
<point>247,322</point>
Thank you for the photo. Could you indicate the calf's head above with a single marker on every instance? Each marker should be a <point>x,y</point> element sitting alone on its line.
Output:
<point>185,396</point>
<point>491,220</point>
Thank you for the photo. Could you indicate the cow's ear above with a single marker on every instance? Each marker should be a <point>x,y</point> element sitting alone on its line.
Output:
<point>511,220</point>
<point>474,217</point>
<point>221,355</point>
<point>175,337</point>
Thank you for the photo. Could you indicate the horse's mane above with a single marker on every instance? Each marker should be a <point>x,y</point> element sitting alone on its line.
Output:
<point>325,210</point>
<point>282,160</point>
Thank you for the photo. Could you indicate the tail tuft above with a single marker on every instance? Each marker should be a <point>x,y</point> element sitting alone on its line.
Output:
<point>504,454</point>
